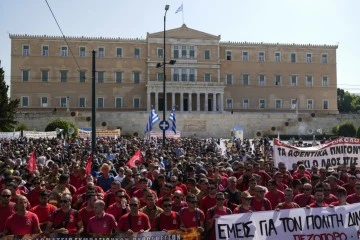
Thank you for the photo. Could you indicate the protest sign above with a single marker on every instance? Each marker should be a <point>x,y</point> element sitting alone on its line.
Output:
<point>82,133</point>
<point>9,135</point>
<point>334,153</point>
<point>330,223</point>
<point>36,135</point>
<point>168,134</point>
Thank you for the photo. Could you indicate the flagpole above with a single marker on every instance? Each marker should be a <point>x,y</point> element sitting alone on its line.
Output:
<point>182,12</point>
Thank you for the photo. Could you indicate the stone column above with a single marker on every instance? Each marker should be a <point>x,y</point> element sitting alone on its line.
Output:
<point>214,102</point>
<point>206,102</point>
<point>181,101</point>
<point>221,107</point>
<point>198,102</point>
<point>190,102</point>
<point>173,100</point>
<point>148,101</point>
<point>156,105</point>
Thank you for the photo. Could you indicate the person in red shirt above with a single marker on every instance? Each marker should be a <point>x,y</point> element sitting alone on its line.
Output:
<point>191,216</point>
<point>281,186</point>
<point>301,172</point>
<point>350,186</point>
<point>101,223</point>
<point>209,200</point>
<point>306,198</point>
<point>120,207</point>
<point>167,220</point>
<point>178,202</point>
<point>177,185</point>
<point>109,197</point>
<point>6,207</point>
<point>319,200</point>
<point>259,202</point>
<point>65,220</point>
<point>355,197</point>
<point>134,221</point>
<point>288,202</point>
<point>287,178</point>
<point>341,196</point>
<point>274,195</point>
<point>87,211</point>
<point>34,195</point>
<point>333,181</point>
<point>328,196</point>
<point>264,176</point>
<point>140,192</point>
<point>44,209</point>
<point>22,221</point>
<point>90,186</point>
<point>166,194</point>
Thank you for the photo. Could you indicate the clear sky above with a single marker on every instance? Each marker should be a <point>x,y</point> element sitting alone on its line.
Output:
<point>284,21</point>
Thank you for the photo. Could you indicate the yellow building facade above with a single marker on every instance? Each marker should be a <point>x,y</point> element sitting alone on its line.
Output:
<point>209,75</point>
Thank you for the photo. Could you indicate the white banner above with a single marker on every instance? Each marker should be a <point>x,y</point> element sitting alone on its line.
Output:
<point>10,135</point>
<point>340,222</point>
<point>168,134</point>
<point>337,152</point>
<point>34,134</point>
<point>99,133</point>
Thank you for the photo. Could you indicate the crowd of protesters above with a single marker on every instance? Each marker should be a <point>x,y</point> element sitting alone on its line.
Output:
<point>187,183</point>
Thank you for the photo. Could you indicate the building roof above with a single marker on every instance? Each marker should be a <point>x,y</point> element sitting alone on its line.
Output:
<point>184,32</point>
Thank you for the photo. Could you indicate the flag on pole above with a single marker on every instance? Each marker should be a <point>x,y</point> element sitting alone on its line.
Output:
<point>88,165</point>
<point>172,119</point>
<point>31,166</point>
<point>153,118</point>
<point>294,104</point>
<point>179,9</point>
<point>134,158</point>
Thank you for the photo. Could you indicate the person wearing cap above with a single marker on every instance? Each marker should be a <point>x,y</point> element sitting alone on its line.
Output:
<point>6,207</point>
<point>288,203</point>
<point>44,209</point>
<point>87,211</point>
<point>106,179</point>
<point>355,197</point>
<point>101,222</point>
<point>245,205</point>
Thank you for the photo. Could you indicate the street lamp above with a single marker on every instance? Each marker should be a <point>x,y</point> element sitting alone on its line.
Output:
<point>164,125</point>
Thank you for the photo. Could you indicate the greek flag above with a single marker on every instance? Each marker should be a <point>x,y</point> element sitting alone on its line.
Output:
<point>179,9</point>
<point>172,119</point>
<point>153,118</point>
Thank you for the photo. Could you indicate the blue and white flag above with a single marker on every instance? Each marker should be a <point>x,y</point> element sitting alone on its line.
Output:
<point>153,118</point>
<point>172,119</point>
<point>179,9</point>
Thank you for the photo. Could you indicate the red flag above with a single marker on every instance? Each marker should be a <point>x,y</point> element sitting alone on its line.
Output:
<point>31,166</point>
<point>134,158</point>
<point>88,165</point>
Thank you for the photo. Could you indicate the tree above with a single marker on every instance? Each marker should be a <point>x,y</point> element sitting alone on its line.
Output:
<point>7,107</point>
<point>347,129</point>
<point>348,102</point>
<point>61,124</point>
<point>358,132</point>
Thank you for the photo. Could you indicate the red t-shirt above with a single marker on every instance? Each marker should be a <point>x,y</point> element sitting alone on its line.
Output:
<point>303,200</point>
<point>135,223</point>
<point>176,208</point>
<point>21,225</point>
<point>33,197</point>
<point>353,198</point>
<point>349,188</point>
<point>314,205</point>
<point>219,212</point>
<point>284,205</point>
<point>58,217</point>
<point>43,213</point>
<point>102,225</point>
<point>170,222</point>
<point>5,212</point>
<point>261,205</point>
<point>116,211</point>
<point>240,209</point>
<point>275,198</point>
<point>331,199</point>
<point>85,216</point>
<point>207,202</point>
<point>191,219</point>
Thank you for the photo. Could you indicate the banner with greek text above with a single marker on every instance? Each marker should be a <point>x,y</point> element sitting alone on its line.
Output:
<point>10,135</point>
<point>334,223</point>
<point>34,134</point>
<point>99,133</point>
<point>188,234</point>
<point>168,134</point>
<point>334,153</point>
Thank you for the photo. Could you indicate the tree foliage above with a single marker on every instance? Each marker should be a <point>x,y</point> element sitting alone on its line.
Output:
<point>61,124</point>
<point>348,102</point>
<point>346,129</point>
<point>7,107</point>
<point>358,132</point>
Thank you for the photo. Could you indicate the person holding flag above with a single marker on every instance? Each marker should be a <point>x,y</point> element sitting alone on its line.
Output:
<point>153,118</point>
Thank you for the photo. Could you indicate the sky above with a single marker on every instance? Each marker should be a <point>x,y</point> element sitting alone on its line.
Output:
<point>335,22</point>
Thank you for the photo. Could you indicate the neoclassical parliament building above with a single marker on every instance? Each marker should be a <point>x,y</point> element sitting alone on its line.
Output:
<point>209,75</point>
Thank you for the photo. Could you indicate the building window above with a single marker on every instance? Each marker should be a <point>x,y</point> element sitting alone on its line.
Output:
<point>82,76</point>
<point>325,82</point>
<point>277,57</point>
<point>137,53</point>
<point>44,75</point>
<point>293,80</point>
<point>310,104</point>
<point>246,103</point>
<point>176,74</point>
<point>176,51</point>
<point>63,75</point>
<point>207,77</point>
<point>100,102</point>
<point>229,103</point>
<point>101,52</point>
<point>100,76</point>
<point>293,103</point>
<point>82,52</point>
<point>136,77</point>
<point>229,79</point>
<point>309,81</point>
<point>160,53</point>
<point>118,102</point>
<point>309,58</point>
<point>261,56</point>
<point>261,80</point>
<point>207,54</point>
<point>246,79</point>
<point>262,103</point>
<point>82,102</point>
<point>64,51</point>
<point>228,55</point>
<point>119,52</point>
<point>278,103</point>
<point>293,57</point>
<point>245,56</point>
<point>192,52</point>
<point>183,51</point>
<point>136,103</point>
<point>25,75</point>
<point>325,104</point>
<point>183,74</point>
<point>160,76</point>
<point>45,50</point>
<point>26,50</point>
<point>44,102</point>
<point>192,75</point>
<point>63,102</point>
<point>324,58</point>
<point>118,77</point>
<point>24,101</point>
<point>277,80</point>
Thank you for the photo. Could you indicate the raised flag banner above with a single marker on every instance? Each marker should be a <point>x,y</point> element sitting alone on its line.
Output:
<point>179,9</point>
<point>325,223</point>
<point>134,158</point>
<point>340,151</point>
<point>153,118</point>
<point>88,165</point>
<point>172,119</point>
<point>31,166</point>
